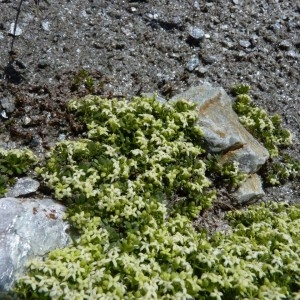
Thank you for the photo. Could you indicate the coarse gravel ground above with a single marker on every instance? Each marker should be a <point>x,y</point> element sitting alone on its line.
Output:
<point>131,47</point>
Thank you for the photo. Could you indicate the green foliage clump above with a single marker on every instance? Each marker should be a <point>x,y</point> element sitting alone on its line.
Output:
<point>152,261</point>
<point>117,182</point>
<point>266,239</point>
<point>10,295</point>
<point>13,163</point>
<point>136,151</point>
<point>133,244</point>
<point>285,169</point>
<point>240,89</point>
<point>265,128</point>
<point>83,78</point>
<point>165,258</point>
<point>269,131</point>
<point>224,174</point>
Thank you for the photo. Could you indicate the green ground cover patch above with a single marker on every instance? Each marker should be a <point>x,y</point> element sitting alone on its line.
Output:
<point>269,131</point>
<point>14,163</point>
<point>133,188</point>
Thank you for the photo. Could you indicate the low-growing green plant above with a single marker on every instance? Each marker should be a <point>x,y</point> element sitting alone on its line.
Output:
<point>133,244</point>
<point>135,149</point>
<point>3,184</point>
<point>13,163</point>
<point>265,128</point>
<point>10,295</point>
<point>268,130</point>
<point>260,258</point>
<point>224,174</point>
<point>83,78</point>
<point>283,170</point>
<point>240,89</point>
<point>165,258</point>
<point>138,155</point>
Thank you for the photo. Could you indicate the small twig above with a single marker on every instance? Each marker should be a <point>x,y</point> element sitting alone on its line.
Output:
<point>12,53</point>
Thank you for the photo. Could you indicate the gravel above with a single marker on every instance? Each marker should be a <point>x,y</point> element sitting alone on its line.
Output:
<point>132,47</point>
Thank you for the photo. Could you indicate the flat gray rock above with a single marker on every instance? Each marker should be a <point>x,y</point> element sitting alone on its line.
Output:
<point>24,186</point>
<point>28,228</point>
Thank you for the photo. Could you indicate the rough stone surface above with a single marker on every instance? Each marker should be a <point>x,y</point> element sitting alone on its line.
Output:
<point>250,190</point>
<point>222,130</point>
<point>28,228</point>
<point>7,104</point>
<point>12,30</point>
<point>192,64</point>
<point>24,186</point>
<point>196,33</point>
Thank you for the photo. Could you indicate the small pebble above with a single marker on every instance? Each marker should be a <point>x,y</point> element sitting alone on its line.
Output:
<point>197,5</point>
<point>285,45</point>
<point>153,16</point>
<point>276,27</point>
<point>201,70</point>
<point>23,186</point>
<point>192,64</point>
<point>196,33</point>
<point>35,142</point>
<point>61,137</point>
<point>227,44</point>
<point>26,120</point>
<point>18,30</point>
<point>8,104</point>
<point>245,43</point>
<point>46,25</point>
<point>83,14</point>
<point>292,54</point>
<point>27,108</point>
<point>209,59</point>
<point>43,64</point>
<point>3,114</point>
<point>242,54</point>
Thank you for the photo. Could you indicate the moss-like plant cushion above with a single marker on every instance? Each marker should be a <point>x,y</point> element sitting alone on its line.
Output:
<point>133,188</point>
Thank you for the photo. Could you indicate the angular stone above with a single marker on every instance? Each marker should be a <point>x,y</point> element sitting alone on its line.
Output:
<point>24,186</point>
<point>8,104</point>
<point>223,132</point>
<point>196,33</point>
<point>28,228</point>
<point>250,191</point>
<point>12,30</point>
<point>192,64</point>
